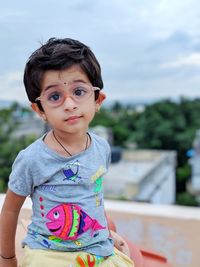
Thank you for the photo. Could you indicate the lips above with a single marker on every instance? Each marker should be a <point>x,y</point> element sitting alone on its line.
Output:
<point>73,118</point>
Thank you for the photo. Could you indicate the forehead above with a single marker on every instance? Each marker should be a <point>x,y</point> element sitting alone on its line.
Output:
<point>72,74</point>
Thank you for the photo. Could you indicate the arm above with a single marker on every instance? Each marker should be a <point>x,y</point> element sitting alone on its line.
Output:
<point>119,242</point>
<point>8,225</point>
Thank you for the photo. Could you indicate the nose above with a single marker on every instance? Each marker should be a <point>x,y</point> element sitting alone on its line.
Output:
<point>69,103</point>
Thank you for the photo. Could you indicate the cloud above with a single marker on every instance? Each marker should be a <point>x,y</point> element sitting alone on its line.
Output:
<point>11,87</point>
<point>192,60</point>
<point>13,77</point>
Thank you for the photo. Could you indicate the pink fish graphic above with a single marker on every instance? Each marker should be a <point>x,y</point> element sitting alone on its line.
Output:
<point>69,221</point>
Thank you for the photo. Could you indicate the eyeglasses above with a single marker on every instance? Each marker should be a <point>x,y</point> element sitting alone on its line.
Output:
<point>56,95</point>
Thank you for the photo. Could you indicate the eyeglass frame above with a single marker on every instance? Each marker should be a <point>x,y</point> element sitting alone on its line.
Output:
<point>40,98</point>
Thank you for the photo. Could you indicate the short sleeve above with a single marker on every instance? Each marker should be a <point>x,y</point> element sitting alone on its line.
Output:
<point>20,179</point>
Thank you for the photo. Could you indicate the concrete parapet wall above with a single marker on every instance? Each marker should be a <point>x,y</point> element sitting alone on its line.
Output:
<point>173,231</point>
<point>170,230</point>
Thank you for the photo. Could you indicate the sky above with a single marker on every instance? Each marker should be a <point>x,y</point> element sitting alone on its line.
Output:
<point>148,49</point>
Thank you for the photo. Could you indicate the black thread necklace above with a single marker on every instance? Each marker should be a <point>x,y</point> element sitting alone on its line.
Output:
<point>86,145</point>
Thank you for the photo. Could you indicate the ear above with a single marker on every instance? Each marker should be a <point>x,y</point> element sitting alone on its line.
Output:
<point>41,113</point>
<point>100,100</point>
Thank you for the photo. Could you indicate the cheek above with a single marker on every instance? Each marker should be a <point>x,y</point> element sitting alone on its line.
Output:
<point>90,112</point>
<point>52,115</point>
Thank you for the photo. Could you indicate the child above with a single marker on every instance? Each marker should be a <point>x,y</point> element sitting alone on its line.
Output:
<point>62,171</point>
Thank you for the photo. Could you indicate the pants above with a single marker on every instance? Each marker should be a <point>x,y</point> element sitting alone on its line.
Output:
<point>49,258</point>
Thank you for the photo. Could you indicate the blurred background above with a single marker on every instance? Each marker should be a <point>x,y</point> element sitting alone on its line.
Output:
<point>150,57</point>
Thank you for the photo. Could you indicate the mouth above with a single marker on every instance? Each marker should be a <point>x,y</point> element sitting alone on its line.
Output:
<point>54,230</point>
<point>73,118</point>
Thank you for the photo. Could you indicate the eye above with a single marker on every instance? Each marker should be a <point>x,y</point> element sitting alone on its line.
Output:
<point>56,215</point>
<point>80,91</point>
<point>54,97</point>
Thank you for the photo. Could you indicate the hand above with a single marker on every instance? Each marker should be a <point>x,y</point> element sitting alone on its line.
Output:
<point>120,243</point>
<point>8,263</point>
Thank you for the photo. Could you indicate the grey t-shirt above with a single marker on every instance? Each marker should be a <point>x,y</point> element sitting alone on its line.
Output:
<point>67,196</point>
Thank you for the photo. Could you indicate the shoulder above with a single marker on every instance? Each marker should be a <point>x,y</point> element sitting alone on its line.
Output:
<point>101,149</point>
<point>98,140</point>
<point>30,152</point>
<point>32,148</point>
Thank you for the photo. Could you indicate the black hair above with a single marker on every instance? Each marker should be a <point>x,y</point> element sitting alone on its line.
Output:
<point>60,54</point>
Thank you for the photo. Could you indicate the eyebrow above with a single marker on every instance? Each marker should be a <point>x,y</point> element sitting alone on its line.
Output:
<point>58,84</point>
<point>50,86</point>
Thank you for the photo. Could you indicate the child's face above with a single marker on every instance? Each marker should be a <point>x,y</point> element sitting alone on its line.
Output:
<point>67,110</point>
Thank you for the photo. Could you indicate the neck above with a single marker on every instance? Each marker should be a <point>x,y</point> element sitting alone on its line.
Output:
<point>70,145</point>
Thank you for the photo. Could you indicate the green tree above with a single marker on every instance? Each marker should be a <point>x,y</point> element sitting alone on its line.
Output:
<point>9,145</point>
<point>185,199</point>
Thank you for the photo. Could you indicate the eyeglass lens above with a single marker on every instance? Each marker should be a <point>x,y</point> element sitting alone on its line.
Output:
<point>77,92</point>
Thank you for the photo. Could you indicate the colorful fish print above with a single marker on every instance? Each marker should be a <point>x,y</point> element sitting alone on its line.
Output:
<point>69,221</point>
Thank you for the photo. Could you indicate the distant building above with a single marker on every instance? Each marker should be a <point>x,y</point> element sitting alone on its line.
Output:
<point>143,175</point>
<point>30,125</point>
<point>139,175</point>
